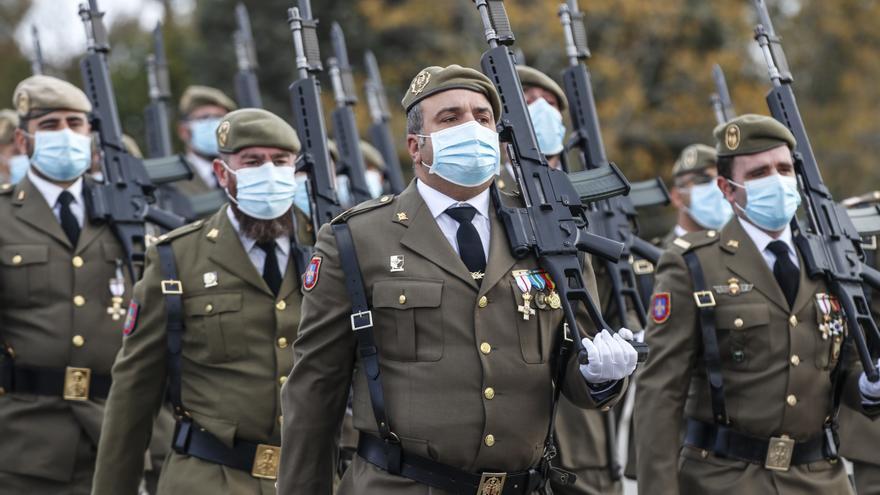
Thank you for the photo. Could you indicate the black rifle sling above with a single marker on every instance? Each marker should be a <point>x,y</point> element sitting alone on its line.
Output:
<point>711,353</point>
<point>362,325</point>
<point>174,327</point>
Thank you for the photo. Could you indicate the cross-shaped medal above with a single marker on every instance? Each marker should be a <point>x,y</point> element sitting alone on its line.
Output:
<point>525,308</point>
<point>116,311</point>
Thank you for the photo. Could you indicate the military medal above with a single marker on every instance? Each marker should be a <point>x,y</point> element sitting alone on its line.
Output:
<point>539,283</point>
<point>733,287</point>
<point>552,297</point>
<point>210,279</point>
<point>117,289</point>
<point>396,263</point>
<point>525,286</point>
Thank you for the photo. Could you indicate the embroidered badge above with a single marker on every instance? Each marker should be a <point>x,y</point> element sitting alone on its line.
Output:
<point>310,277</point>
<point>210,279</point>
<point>395,263</point>
<point>131,318</point>
<point>661,306</point>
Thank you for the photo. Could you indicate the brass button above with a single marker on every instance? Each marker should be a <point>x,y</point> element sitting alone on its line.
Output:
<point>281,305</point>
<point>606,408</point>
<point>77,261</point>
<point>209,307</point>
<point>78,340</point>
<point>483,302</point>
<point>282,379</point>
<point>704,454</point>
<point>79,300</point>
<point>795,360</point>
<point>490,440</point>
<point>738,323</point>
<point>792,320</point>
<point>489,393</point>
<point>282,342</point>
<point>401,299</point>
<point>791,400</point>
<point>280,419</point>
<point>710,233</point>
<point>485,348</point>
<point>16,259</point>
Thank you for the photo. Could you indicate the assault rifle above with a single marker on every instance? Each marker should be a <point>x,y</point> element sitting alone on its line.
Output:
<point>124,200</point>
<point>553,224</point>
<point>379,131</point>
<point>308,118</point>
<point>721,102</point>
<point>247,88</point>
<point>37,60</point>
<point>351,160</point>
<point>829,243</point>
<point>156,113</point>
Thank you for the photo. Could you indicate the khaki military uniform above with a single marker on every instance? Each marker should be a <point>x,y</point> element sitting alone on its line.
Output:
<point>55,312</point>
<point>775,366</point>
<point>467,380</point>
<point>236,355</point>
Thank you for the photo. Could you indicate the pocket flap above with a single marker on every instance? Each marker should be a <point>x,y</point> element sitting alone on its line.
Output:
<point>403,293</point>
<point>210,304</point>
<point>741,316</point>
<point>23,254</point>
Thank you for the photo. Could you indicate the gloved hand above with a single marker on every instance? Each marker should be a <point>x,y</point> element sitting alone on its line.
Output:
<point>611,356</point>
<point>870,390</point>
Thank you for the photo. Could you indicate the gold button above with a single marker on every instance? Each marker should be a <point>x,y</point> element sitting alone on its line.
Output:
<point>280,419</point>
<point>489,393</point>
<point>704,454</point>
<point>792,320</point>
<point>485,348</point>
<point>282,379</point>
<point>209,308</point>
<point>710,233</point>
<point>282,342</point>
<point>77,261</point>
<point>795,360</point>
<point>490,440</point>
<point>738,323</point>
<point>281,305</point>
<point>401,299</point>
<point>483,302</point>
<point>79,300</point>
<point>791,400</point>
<point>16,259</point>
<point>78,340</point>
<point>385,199</point>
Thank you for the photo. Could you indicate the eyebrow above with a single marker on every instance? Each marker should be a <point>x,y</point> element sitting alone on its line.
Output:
<point>455,109</point>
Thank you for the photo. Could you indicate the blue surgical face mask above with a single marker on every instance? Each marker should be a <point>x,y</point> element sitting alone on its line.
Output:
<point>374,183</point>
<point>204,137</point>
<point>771,201</point>
<point>343,191</point>
<point>301,197</point>
<point>548,125</point>
<point>467,155</point>
<point>265,192</point>
<point>62,155</point>
<point>709,207</point>
<point>18,167</point>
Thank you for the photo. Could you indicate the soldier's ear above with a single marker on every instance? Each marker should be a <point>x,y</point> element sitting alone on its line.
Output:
<point>220,172</point>
<point>728,189</point>
<point>413,146</point>
<point>21,142</point>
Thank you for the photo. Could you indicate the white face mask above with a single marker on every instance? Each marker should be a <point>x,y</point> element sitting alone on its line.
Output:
<point>265,192</point>
<point>467,155</point>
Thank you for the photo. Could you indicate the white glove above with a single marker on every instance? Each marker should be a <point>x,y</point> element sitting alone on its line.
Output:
<point>611,356</point>
<point>870,390</point>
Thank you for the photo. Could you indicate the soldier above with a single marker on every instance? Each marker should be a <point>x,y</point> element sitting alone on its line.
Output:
<point>63,291</point>
<point>735,305</point>
<point>218,305</point>
<point>13,165</point>
<point>460,395</point>
<point>375,169</point>
<point>695,195</point>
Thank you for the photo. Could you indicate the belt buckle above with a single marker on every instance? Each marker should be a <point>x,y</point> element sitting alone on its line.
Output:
<point>704,299</point>
<point>642,267</point>
<point>172,287</point>
<point>266,462</point>
<point>356,325</point>
<point>491,483</point>
<point>779,453</point>
<point>76,383</point>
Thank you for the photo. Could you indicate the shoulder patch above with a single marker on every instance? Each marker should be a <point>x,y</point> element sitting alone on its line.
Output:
<point>313,271</point>
<point>131,317</point>
<point>661,307</point>
<point>364,207</point>
<point>181,231</point>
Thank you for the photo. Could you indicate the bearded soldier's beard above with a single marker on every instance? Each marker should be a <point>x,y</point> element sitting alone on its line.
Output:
<point>261,230</point>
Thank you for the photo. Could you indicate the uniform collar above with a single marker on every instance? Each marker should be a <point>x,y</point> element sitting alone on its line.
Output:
<point>50,191</point>
<point>248,243</point>
<point>438,202</point>
<point>762,239</point>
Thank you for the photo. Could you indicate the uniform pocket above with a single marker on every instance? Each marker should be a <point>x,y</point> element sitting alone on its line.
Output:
<point>25,275</point>
<point>213,326</point>
<point>408,319</point>
<point>739,332</point>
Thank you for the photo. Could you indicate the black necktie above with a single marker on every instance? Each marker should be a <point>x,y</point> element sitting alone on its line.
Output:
<point>470,247</point>
<point>271,273</point>
<point>68,222</point>
<point>787,275</point>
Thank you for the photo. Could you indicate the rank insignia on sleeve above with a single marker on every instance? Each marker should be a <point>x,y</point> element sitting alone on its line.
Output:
<point>310,277</point>
<point>131,318</point>
<point>661,307</point>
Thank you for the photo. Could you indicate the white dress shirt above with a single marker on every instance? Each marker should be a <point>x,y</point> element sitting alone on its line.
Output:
<point>762,239</point>
<point>204,168</point>
<point>257,255</point>
<point>50,192</point>
<point>438,203</point>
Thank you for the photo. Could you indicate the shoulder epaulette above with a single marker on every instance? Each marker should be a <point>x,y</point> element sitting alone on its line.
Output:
<point>181,231</point>
<point>694,240</point>
<point>6,188</point>
<point>366,206</point>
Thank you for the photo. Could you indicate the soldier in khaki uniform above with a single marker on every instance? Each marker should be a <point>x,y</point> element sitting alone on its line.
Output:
<point>466,360</point>
<point>768,336</point>
<point>63,290</point>
<point>13,165</point>
<point>236,292</point>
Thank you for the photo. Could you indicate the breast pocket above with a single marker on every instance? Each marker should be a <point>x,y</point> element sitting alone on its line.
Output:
<point>408,319</point>
<point>25,275</point>
<point>538,332</point>
<point>214,330</point>
<point>742,333</point>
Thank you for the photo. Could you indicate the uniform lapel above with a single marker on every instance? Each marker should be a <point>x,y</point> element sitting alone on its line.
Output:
<point>806,288</point>
<point>227,251</point>
<point>33,209</point>
<point>500,258</point>
<point>90,231</point>
<point>290,282</point>
<point>749,264</point>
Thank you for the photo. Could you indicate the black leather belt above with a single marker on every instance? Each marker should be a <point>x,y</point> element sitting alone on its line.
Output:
<point>448,478</point>
<point>69,383</point>
<point>776,453</point>
<point>260,460</point>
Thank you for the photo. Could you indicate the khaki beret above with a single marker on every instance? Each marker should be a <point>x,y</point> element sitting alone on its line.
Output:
<point>8,123</point>
<point>131,146</point>
<point>693,158</point>
<point>255,127</point>
<point>751,133</point>
<point>197,96</point>
<point>47,93</point>
<point>435,79</point>
<point>372,155</point>
<point>529,76</point>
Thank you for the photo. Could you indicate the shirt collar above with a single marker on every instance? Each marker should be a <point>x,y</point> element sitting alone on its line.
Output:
<point>51,191</point>
<point>438,202</point>
<point>249,243</point>
<point>762,239</point>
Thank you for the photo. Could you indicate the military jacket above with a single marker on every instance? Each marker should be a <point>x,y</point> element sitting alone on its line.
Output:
<point>56,311</point>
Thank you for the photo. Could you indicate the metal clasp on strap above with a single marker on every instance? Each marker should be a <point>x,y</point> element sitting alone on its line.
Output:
<point>76,383</point>
<point>266,462</point>
<point>704,299</point>
<point>642,267</point>
<point>779,453</point>
<point>491,484</point>
<point>172,287</point>
<point>361,320</point>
